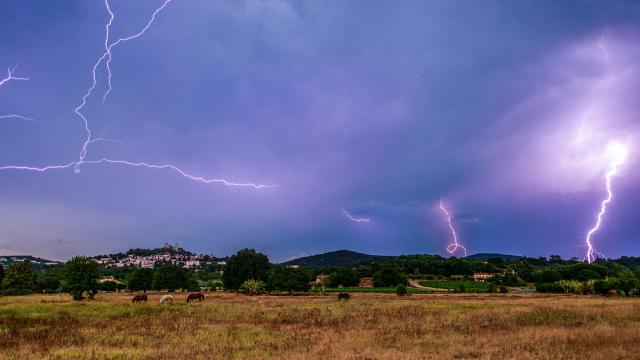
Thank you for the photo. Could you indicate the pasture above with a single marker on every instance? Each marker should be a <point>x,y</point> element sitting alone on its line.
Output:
<point>369,326</point>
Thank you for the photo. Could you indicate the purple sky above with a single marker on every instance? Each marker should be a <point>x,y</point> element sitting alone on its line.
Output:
<point>504,110</point>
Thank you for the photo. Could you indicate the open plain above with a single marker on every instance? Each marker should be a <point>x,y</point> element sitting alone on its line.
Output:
<point>369,326</point>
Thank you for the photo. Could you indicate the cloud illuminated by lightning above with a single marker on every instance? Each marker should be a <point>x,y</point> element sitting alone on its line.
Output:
<point>618,154</point>
<point>356,219</point>
<point>451,248</point>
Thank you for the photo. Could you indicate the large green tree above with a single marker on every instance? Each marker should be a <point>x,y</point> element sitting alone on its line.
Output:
<point>18,277</point>
<point>141,279</point>
<point>389,277</point>
<point>80,275</point>
<point>343,277</point>
<point>246,264</point>
<point>171,278</point>
<point>282,278</point>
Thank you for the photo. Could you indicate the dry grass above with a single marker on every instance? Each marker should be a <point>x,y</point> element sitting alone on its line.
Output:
<point>370,326</point>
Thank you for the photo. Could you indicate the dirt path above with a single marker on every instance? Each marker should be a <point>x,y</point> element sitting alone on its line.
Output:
<point>416,284</point>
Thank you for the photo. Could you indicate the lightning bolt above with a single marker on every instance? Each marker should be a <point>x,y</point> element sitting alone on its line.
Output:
<point>619,155</point>
<point>107,57</point>
<point>451,248</point>
<point>10,76</point>
<point>352,218</point>
<point>16,116</point>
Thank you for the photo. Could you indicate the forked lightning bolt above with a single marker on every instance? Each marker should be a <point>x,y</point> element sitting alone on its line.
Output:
<point>107,55</point>
<point>356,219</point>
<point>10,77</point>
<point>619,153</point>
<point>451,248</point>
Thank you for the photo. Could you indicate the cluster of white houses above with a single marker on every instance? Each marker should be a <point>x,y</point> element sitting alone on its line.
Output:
<point>150,261</point>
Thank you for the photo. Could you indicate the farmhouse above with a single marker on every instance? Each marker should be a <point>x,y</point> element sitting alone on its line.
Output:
<point>482,276</point>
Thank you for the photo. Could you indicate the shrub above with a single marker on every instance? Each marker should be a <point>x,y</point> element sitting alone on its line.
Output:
<point>602,287</point>
<point>549,287</point>
<point>401,290</point>
<point>462,288</point>
<point>252,287</point>
<point>282,278</point>
<point>504,289</point>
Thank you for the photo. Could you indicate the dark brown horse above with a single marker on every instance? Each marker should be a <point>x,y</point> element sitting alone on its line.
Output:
<point>139,298</point>
<point>343,296</point>
<point>196,296</point>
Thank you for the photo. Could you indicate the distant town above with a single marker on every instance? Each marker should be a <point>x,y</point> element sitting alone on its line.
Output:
<point>150,258</point>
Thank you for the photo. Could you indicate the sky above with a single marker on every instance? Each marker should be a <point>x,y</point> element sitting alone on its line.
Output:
<point>509,112</point>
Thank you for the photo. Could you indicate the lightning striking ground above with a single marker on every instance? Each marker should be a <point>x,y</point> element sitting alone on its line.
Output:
<point>451,248</point>
<point>76,165</point>
<point>619,153</point>
<point>356,219</point>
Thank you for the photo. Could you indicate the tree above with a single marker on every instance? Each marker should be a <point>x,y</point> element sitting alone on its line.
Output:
<point>1,273</point>
<point>48,282</point>
<point>18,277</point>
<point>602,287</point>
<point>389,277</point>
<point>141,279</point>
<point>625,281</point>
<point>171,277</point>
<point>80,274</point>
<point>252,287</point>
<point>246,264</point>
<point>401,290</point>
<point>108,286</point>
<point>549,276</point>
<point>343,277</point>
<point>282,278</point>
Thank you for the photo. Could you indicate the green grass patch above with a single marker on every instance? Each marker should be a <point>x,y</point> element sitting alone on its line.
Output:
<point>469,286</point>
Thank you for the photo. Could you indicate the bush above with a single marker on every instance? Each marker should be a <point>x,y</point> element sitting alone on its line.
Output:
<point>252,287</point>
<point>549,276</point>
<point>504,289</point>
<point>602,287</point>
<point>549,288</point>
<point>47,282</point>
<point>141,279</point>
<point>462,288</point>
<point>401,290</point>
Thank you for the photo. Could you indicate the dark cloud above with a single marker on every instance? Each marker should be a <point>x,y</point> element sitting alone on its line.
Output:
<point>383,108</point>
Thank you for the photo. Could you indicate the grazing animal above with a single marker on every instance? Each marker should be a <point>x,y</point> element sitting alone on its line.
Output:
<point>166,299</point>
<point>196,296</point>
<point>343,296</point>
<point>139,298</point>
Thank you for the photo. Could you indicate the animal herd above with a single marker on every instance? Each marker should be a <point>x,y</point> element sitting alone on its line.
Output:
<point>167,299</point>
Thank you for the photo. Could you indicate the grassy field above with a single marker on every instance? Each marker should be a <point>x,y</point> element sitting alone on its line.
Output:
<point>382,290</point>
<point>470,286</point>
<point>369,326</point>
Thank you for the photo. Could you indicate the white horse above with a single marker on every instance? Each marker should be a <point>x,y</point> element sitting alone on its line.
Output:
<point>166,299</point>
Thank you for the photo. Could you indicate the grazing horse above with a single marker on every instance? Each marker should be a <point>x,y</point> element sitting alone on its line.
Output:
<point>343,296</point>
<point>139,298</point>
<point>196,296</point>
<point>166,299</point>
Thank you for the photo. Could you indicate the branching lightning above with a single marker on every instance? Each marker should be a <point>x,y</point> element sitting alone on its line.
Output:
<point>356,219</point>
<point>619,154</point>
<point>10,76</point>
<point>16,116</point>
<point>106,58</point>
<point>451,248</point>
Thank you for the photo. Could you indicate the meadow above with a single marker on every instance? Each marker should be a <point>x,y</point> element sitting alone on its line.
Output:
<point>369,326</point>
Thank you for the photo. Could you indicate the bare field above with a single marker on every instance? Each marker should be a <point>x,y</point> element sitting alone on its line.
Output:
<point>369,326</point>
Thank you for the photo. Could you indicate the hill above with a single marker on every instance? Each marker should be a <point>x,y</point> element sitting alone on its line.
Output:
<point>36,262</point>
<point>487,256</point>
<point>334,259</point>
